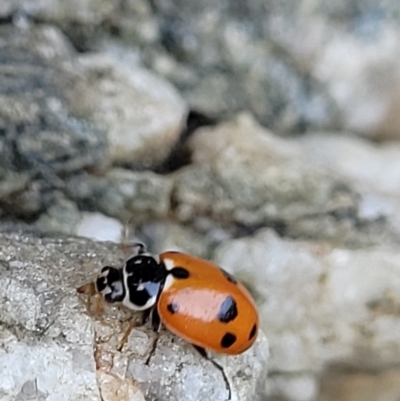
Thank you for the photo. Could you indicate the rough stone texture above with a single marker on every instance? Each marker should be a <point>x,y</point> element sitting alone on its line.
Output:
<point>64,217</point>
<point>61,217</point>
<point>350,49</point>
<point>41,138</point>
<point>361,386</point>
<point>127,195</point>
<point>87,11</point>
<point>224,61</point>
<point>361,73</point>
<point>175,372</point>
<point>40,134</point>
<point>74,355</point>
<point>254,75</point>
<point>243,176</point>
<point>330,308</point>
<point>60,114</point>
<point>320,305</point>
<point>243,173</point>
<point>372,170</point>
<point>143,114</point>
<point>163,235</point>
<point>98,227</point>
<point>46,346</point>
<point>294,64</point>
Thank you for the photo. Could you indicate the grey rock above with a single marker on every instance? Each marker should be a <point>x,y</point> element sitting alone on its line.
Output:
<point>320,305</point>
<point>243,174</point>
<point>98,227</point>
<point>12,183</point>
<point>61,217</point>
<point>46,349</point>
<point>73,355</point>
<point>46,41</point>
<point>176,373</point>
<point>372,170</point>
<point>295,387</point>
<point>61,114</point>
<point>162,235</point>
<point>124,194</point>
<point>223,66</point>
<point>42,139</point>
<point>143,114</point>
<point>369,104</point>
<point>291,63</point>
<point>40,131</point>
<point>137,23</point>
<point>89,11</point>
<point>233,65</point>
<point>65,217</point>
<point>294,64</point>
<point>351,50</point>
<point>360,386</point>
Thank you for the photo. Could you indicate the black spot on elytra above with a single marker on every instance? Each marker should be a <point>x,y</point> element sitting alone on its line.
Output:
<point>173,308</point>
<point>180,272</point>
<point>227,340</point>
<point>228,276</point>
<point>228,310</point>
<point>253,332</point>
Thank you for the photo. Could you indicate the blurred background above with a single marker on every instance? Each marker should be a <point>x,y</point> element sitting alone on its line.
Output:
<point>261,134</point>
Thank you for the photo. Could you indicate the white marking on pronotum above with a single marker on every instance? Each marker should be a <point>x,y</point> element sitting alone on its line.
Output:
<point>169,265</point>
<point>118,288</point>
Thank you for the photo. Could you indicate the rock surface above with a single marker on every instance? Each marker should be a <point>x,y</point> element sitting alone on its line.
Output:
<point>142,113</point>
<point>320,305</point>
<point>73,355</point>
<point>125,194</point>
<point>243,174</point>
<point>99,227</point>
<point>61,114</point>
<point>361,386</point>
<point>41,138</point>
<point>295,64</point>
<point>84,127</point>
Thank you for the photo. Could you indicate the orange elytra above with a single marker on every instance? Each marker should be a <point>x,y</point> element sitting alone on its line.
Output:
<point>194,299</point>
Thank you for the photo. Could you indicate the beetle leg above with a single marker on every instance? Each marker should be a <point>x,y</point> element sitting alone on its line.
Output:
<point>146,316</point>
<point>203,353</point>
<point>95,303</point>
<point>88,289</point>
<point>128,331</point>
<point>153,348</point>
<point>156,326</point>
<point>155,320</point>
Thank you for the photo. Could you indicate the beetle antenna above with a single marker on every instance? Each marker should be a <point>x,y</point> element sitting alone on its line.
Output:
<point>142,249</point>
<point>127,244</point>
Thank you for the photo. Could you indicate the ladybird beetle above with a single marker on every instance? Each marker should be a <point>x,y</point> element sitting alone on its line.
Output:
<point>194,299</point>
